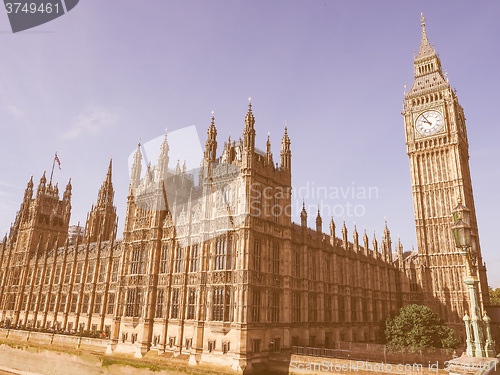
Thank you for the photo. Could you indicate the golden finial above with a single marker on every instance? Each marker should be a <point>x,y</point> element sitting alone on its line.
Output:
<point>446,75</point>
<point>422,19</point>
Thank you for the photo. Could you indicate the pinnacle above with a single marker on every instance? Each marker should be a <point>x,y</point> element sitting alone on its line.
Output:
<point>425,49</point>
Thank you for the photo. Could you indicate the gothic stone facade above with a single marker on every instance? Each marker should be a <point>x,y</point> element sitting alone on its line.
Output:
<point>211,265</point>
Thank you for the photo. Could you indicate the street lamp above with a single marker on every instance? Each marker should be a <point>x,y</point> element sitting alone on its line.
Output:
<point>462,233</point>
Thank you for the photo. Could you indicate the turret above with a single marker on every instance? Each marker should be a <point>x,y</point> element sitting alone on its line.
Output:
<point>28,193</point>
<point>303,216</point>
<point>355,239</point>
<point>135,172</point>
<point>375,246</point>
<point>269,155</point>
<point>365,243</point>
<point>319,223</point>
<point>249,131</point>
<point>387,244</point>
<point>332,232</point>
<point>67,192</point>
<point>344,236</point>
<point>400,253</point>
<point>163,159</point>
<point>286,154</point>
<point>41,185</point>
<point>211,144</point>
<point>102,218</point>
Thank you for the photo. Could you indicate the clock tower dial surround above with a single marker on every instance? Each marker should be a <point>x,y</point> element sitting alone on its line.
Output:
<point>438,150</point>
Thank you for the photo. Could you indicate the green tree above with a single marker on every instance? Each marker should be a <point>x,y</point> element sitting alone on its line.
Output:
<point>417,326</point>
<point>494,296</point>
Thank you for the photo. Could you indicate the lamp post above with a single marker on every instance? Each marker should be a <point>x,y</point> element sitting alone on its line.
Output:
<point>462,234</point>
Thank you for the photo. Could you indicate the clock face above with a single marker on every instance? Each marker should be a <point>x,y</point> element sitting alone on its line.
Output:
<point>429,122</point>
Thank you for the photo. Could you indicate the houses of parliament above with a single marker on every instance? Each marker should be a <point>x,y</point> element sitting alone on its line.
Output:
<point>211,265</point>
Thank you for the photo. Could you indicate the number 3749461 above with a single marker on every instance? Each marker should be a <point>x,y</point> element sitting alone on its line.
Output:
<point>32,8</point>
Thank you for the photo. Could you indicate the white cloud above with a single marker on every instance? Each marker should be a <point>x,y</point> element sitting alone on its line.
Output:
<point>92,121</point>
<point>14,111</point>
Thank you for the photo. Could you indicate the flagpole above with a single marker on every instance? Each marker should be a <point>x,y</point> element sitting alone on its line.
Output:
<point>51,173</point>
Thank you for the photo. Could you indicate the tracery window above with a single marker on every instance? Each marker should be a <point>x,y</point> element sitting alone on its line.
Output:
<point>274,306</point>
<point>328,308</point>
<point>85,304</point>
<point>135,267</point>
<point>220,304</point>
<point>97,303</point>
<point>341,309</point>
<point>159,303</point>
<point>79,270</point>
<point>174,305</point>
<point>102,270</point>
<point>313,307</point>
<point>256,305</point>
<point>62,303</point>
<point>191,304</point>
<point>90,273</point>
<point>67,274</point>
<point>275,259</point>
<point>134,299</point>
<point>354,309</point>
<point>257,255</point>
<point>179,257</point>
<point>114,276</point>
<point>165,250</point>
<point>220,253</point>
<point>74,302</point>
<point>296,307</point>
<point>193,266</point>
<point>111,303</point>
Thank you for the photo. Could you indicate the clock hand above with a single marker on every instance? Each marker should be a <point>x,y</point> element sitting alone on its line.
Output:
<point>427,121</point>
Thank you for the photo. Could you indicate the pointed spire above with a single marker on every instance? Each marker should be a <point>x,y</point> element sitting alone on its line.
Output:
<point>177,169</point>
<point>375,246</point>
<point>163,158</point>
<point>211,143</point>
<point>365,243</point>
<point>319,222</point>
<point>41,185</point>
<point>110,168</point>
<point>106,193</point>
<point>249,132</point>
<point>303,215</point>
<point>249,119</point>
<point>344,236</point>
<point>425,50</point>
<point>28,193</point>
<point>355,237</point>
<point>332,232</point>
<point>285,154</point>
<point>269,155</point>
<point>135,171</point>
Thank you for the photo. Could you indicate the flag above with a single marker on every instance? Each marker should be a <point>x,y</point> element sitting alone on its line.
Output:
<point>58,161</point>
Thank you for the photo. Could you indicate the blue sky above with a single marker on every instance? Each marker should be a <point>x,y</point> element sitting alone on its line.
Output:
<point>91,83</point>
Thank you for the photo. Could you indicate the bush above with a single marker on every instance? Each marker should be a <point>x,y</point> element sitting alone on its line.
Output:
<point>417,326</point>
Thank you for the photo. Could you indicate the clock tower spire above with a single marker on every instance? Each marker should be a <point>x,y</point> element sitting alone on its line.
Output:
<point>437,146</point>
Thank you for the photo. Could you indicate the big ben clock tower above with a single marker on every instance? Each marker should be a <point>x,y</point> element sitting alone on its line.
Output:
<point>437,146</point>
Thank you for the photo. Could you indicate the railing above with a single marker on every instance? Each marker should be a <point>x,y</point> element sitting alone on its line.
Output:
<point>378,353</point>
